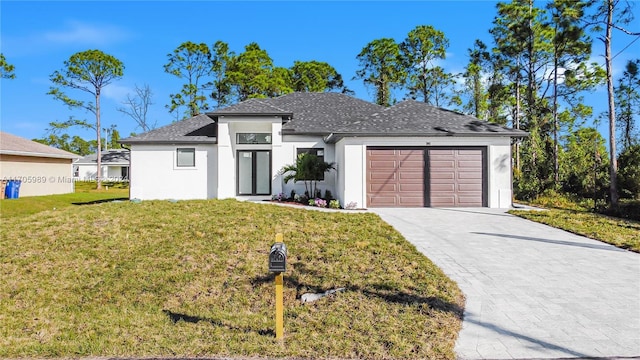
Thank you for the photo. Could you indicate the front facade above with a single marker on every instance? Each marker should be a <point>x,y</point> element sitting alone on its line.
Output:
<point>410,154</point>
<point>41,169</point>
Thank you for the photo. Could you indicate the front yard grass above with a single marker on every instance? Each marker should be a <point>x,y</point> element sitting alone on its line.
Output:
<point>190,279</point>
<point>85,192</point>
<point>578,218</point>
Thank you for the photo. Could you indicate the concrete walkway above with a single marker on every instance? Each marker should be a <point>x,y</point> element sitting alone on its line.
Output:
<point>532,291</point>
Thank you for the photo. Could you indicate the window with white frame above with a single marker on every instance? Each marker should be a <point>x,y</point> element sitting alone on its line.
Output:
<point>186,157</point>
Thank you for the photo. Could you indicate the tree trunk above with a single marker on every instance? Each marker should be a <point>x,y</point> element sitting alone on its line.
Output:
<point>517,115</point>
<point>556,165</point>
<point>531,80</point>
<point>99,154</point>
<point>613,167</point>
<point>425,83</point>
<point>478,94</point>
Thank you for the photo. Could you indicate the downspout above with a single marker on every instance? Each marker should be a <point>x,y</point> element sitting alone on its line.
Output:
<point>329,138</point>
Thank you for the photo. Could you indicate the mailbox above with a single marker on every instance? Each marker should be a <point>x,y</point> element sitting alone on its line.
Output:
<point>278,258</point>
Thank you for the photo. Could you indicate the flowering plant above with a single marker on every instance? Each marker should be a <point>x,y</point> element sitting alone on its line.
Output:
<point>352,205</point>
<point>321,203</point>
<point>279,197</point>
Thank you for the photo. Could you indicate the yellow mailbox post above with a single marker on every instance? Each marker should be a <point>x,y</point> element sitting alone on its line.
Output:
<point>278,265</point>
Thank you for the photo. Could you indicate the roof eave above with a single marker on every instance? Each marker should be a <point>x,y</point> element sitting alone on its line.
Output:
<point>36,154</point>
<point>151,142</point>
<point>286,116</point>
<point>104,163</point>
<point>335,137</point>
<point>305,133</point>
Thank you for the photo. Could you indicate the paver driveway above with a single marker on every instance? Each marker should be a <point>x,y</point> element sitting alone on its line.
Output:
<point>532,291</point>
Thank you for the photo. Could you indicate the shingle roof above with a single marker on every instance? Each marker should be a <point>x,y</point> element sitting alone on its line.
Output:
<point>321,112</point>
<point>312,112</point>
<point>417,118</point>
<point>251,106</point>
<point>109,157</point>
<point>333,113</point>
<point>16,145</point>
<point>198,129</point>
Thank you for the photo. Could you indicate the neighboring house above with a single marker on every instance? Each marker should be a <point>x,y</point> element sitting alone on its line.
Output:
<point>42,169</point>
<point>410,154</point>
<point>115,166</point>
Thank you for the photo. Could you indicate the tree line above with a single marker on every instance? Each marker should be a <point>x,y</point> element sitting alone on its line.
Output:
<point>216,77</point>
<point>532,76</point>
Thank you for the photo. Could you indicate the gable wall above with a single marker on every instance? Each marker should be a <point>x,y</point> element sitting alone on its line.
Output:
<point>155,176</point>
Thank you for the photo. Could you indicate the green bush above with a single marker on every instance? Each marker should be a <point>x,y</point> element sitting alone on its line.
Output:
<point>627,209</point>
<point>629,172</point>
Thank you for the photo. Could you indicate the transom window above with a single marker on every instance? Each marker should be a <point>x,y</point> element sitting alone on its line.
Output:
<point>253,138</point>
<point>186,157</point>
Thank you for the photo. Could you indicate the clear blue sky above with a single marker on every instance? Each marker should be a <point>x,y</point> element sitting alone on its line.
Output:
<point>37,37</point>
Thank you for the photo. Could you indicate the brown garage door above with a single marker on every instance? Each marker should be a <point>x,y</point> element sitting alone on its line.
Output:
<point>395,177</point>
<point>456,177</point>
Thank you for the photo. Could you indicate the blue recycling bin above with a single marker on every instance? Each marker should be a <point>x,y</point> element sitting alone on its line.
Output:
<point>13,189</point>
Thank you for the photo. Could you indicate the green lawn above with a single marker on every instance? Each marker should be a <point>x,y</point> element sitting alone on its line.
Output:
<point>619,232</point>
<point>190,279</point>
<point>85,192</point>
<point>578,218</point>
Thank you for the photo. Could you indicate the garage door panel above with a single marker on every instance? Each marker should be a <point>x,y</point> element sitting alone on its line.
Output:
<point>469,187</point>
<point>386,152</point>
<point>469,182</point>
<point>382,201</point>
<point>470,201</point>
<point>441,201</point>
<point>411,202</point>
<point>463,151</point>
<point>411,175</point>
<point>442,175</point>
<point>381,176</point>
<point>410,165</point>
<point>443,152</point>
<point>456,177</point>
<point>438,165</point>
<point>416,188</point>
<point>384,164</point>
<point>467,154</point>
<point>403,181</point>
<point>470,164</point>
<point>404,152</point>
<point>410,154</point>
<point>440,188</point>
<point>384,187</point>
<point>469,176</point>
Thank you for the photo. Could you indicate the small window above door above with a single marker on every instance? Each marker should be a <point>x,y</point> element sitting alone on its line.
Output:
<point>253,138</point>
